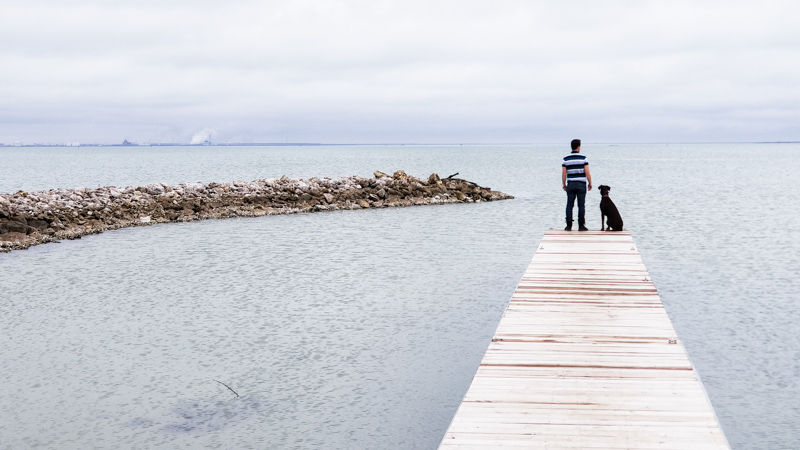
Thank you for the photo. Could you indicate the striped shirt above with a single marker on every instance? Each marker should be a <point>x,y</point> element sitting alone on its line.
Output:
<point>576,167</point>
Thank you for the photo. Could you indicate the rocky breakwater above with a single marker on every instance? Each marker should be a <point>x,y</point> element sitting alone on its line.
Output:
<point>32,218</point>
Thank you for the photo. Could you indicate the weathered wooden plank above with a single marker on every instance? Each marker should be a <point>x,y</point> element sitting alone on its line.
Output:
<point>585,357</point>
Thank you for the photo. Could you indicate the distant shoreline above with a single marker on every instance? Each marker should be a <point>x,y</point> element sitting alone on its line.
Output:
<point>400,144</point>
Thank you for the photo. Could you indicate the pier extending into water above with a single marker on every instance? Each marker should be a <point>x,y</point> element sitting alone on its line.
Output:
<point>585,357</point>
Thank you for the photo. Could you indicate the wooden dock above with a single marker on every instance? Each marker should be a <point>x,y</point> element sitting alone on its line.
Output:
<point>585,357</point>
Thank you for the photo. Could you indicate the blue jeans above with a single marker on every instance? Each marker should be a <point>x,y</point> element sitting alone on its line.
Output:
<point>576,189</point>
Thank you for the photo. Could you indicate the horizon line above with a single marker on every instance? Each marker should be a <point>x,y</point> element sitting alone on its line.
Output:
<point>301,144</point>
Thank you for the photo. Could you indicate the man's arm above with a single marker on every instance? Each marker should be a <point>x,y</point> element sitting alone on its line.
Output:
<point>588,176</point>
<point>564,177</point>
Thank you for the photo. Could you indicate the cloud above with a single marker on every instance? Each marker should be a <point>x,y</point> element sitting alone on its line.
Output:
<point>389,71</point>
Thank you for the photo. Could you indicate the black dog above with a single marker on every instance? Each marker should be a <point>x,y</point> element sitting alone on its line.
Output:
<point>609,209</point>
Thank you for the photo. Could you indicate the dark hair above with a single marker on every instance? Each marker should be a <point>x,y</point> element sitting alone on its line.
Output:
<point>575,144</point>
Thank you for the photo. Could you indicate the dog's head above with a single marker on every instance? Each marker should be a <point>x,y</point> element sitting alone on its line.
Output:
<point>604,189</point>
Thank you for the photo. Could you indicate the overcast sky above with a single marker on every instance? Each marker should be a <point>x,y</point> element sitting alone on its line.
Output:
<point>378,71</point>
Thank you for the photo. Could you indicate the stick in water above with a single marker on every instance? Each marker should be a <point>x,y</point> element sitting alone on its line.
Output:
<point>220,382</point>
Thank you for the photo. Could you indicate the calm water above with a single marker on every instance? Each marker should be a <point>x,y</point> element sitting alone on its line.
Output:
<point>362,329</point>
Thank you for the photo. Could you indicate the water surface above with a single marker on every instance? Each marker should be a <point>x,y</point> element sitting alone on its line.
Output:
<point>362,329</point>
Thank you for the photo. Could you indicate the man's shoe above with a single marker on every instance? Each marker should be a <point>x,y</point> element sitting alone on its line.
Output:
<point>569,226</point>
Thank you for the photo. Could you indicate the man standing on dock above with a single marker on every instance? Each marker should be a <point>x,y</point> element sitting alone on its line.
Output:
<point>575,177</point>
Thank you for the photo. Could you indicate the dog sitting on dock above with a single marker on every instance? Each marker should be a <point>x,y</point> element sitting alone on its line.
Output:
<point>609,209</point>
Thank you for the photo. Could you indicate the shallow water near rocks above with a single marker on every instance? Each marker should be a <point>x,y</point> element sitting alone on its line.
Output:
<point>362,329</point>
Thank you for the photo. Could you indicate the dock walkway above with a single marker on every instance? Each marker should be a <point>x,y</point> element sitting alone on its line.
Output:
<point>585,357</point>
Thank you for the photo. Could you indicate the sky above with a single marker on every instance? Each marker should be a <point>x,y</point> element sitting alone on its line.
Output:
<point>374,71</point>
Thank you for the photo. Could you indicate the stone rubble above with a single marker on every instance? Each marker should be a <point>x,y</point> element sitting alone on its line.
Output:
<point>32,218</point>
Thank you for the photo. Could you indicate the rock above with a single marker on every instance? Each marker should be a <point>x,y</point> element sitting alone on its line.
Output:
<point>13,237</point>
<point>39,225</point>
<point>14,226</point>
<point>34,218</point>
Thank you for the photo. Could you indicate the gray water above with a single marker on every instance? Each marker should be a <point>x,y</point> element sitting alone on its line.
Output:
<point>362,329</point>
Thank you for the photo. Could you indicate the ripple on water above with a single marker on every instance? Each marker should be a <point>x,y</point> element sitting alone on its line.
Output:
<point>363,329</point>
